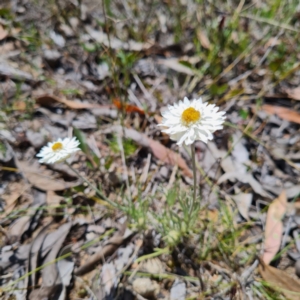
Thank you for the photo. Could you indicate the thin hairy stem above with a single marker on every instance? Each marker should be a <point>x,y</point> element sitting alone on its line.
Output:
<point>195,177</point>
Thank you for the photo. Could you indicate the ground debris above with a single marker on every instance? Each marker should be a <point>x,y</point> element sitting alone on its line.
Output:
<point>105,74</point>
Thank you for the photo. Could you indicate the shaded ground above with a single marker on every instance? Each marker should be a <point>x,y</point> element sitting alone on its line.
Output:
<point>103,72</point>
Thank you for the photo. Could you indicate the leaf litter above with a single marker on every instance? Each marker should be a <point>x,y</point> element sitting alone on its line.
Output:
<point>85,72</point>
<point>274,227</point>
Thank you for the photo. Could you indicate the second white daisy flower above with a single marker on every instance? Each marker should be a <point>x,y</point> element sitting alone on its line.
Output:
<point>58,151</point>
<point>189,121</point>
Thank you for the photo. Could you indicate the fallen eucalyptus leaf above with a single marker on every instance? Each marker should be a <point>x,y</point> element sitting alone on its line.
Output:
<point>243,202</point>
<point>280,281</point>
<point>282,112</point>
<point>41,179</point>
<point>48,100</point>
<point>274,227</point>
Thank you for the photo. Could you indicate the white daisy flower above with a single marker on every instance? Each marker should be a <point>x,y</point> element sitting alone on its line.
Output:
<point>189,121</point>
<point>58,151</point>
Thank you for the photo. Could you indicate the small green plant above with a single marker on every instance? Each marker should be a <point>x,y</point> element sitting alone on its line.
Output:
<point>220,238</point>
<point>176,221</point>
<point>71,92</point>
<point>31,37</point>
<point>90,47</point>
<point>5,13</point>
<point>125,61</point>
<point>128,145</point>
<point>2,148</point>
<point>244,114</point>
<point>93,159</point>
<point>137,212</point>
<point>264,289</point>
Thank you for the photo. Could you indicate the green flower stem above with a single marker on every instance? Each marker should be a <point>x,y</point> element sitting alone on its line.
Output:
<point>157,252</point>
<point>92,186</point>
<point>195,177</point>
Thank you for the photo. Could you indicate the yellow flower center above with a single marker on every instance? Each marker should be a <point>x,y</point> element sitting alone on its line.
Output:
<point>189,116</point>
<point>57,146</point>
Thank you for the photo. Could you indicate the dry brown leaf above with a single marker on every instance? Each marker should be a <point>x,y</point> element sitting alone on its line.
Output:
<point>273,41</point>
<point>274,227</point>
<point>11,200</point>
<point>14,192</point>
<point>41,180</point>
<point>47,100</point>
<point>243,202</point>
<point>18,227</point>
<point>3,33</point>
<point>110,247</point>
<point>158,118</point>
<point>20,105</point>
<point>168,156</point>
<point>15,31</point>
<point>6,48</point>
<point>203,39</point>
<point>108,278</point>
<point>53,198</point>
<point>293,93</point>
<point>282,112</point>
<point>211,215</point>
<point>14,73</point>
<point>52,272</point>
<point>280,281</point>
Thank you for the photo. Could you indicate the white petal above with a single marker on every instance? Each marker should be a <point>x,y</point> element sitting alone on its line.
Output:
<point>50,156</point>
<point>211,120</point>
<point>186,101</point>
